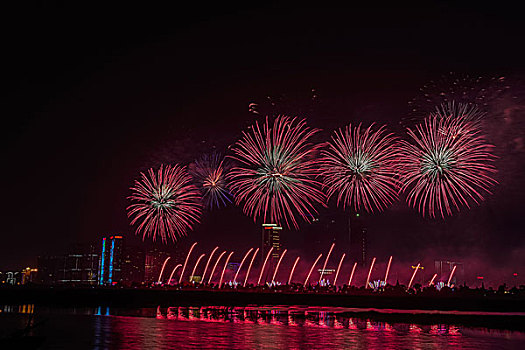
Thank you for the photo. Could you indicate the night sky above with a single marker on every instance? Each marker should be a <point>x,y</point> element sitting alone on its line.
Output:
<point>96,94</point>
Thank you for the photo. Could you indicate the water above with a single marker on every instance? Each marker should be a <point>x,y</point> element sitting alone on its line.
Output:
<point>241,328</point>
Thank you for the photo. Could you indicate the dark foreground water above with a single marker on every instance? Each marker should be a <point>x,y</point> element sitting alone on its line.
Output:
<point>241,328</point>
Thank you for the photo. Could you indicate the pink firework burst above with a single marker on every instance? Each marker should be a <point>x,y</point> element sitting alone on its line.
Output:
<point>447,164</point>
<point>275,175</point>
<point>164,203</point>
<point>360,166</point>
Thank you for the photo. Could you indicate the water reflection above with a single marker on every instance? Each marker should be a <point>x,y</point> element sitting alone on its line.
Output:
<point>213,327</point>
<point>297,317</point>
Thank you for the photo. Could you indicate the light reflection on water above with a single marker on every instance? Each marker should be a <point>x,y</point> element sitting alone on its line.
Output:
<point>245,328</point>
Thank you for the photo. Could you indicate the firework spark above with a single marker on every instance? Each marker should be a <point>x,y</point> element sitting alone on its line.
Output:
<point>209,173</point>
<point>278,264</point>
<point>240,265</point>
<point>275,175</point>
<point>370,272</point>
<point>165,202</point>
<point>413,275</point>
<point>447,165</point>
<point>173,272</point>
<point>339,268</point>
<point>360,167</point>
<point>250,267</point>
<point>224,268</point>
<point>292,270</point>
<point>311,270</point>
<point>352,274</point>
<point>208,263</point>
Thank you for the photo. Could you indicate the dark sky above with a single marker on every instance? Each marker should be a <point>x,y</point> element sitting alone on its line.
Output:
<point>97,93</point>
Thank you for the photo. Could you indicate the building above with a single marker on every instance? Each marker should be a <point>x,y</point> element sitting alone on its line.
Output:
<point>29,275</point>
<point>155,258</point>
<point>444,269</point>
<point>79,266</point>
<point>133,265</point>
<point>271,237</point>
<point>110,265</point>
<point>357,238</point>
<point>11,277</point>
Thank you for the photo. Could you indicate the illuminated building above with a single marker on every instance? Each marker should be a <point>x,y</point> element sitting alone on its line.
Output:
<point>29,275</point>
<point>153,264</point>
<point>271,237</point>
<point>357,237</point>
<point>110,266</point>
<point>133,265</point>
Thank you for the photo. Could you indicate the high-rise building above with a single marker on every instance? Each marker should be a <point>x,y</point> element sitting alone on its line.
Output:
<point>357,237</point>
<point>155,258</point>
<point>271,237</point>
<point>133,265</point>
<point>29,275</point>
<point>47,266</point>
<point>110,266</point>
<point>78,267</point>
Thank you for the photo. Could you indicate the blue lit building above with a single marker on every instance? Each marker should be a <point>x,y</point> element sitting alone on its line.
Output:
<point>110,267</point>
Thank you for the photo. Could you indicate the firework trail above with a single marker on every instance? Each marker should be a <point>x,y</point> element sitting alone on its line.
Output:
<point>292,270</point>
<point>326,261</point>
<point>264,265</point>
<point>413,275</point>
<point>215,266</point>
<point>447,165</point>
<point>360,166</point>
<point>370,272</point>
<point>196,264</point>
<point>311,269</point>
<point>388,269</point>
<point>240,265</point>
<point>186,261</point>
<point>278,264</point>
<point>163,266</point>
<point>208,263</point>
<point>173,272</point>
<point>338,268</point>
<point>165,202</point>
<point>275,175</point>
<point>451,275</point>
<point>250,267</point>
<point>209,173</point>
<point>432,280</point>
<point>224,268</point>
<point>352,274</point>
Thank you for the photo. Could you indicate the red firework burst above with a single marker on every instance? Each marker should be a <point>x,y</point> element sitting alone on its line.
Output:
<point>165,202</point>
<point>447,164</point>
<point>275,175</point>
<point>360,166</point>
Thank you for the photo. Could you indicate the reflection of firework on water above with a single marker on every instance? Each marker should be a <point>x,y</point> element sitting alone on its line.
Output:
<point>165,202</point>
<point>360,167</point>
<point>275,175</point>
<point>447,165</point>
<point>209,173</point>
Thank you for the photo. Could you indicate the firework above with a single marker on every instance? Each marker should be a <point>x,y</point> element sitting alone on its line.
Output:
<point>293,269</point>
<point>209,173</point>
<point>215,266</point>
<point>278,264</point>
<point>352,274</point>
<point>451,275</point>
<point>326,261</point>
<point>240,265</point>
<point>264,265</point>
<point>208,263</point>
<point>370,272</point>
<point>165,203</point>
<point>413,275</point>
<point>250,267</point>
<point>339,268</point>
<point>388,269</point>
<point>196,264</point>
<point>163,266</point>
<point>173,272</point>
<point>275,174</point>
<point>186,261</point>
<point>432,280</point>
<point>224,268</point>
<point>310,272</point>
<point>447,165</point>
<point>360,166</point>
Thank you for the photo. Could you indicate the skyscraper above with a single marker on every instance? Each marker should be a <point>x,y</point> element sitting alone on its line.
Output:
<point>110,267</point>
<point>271,237</point>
